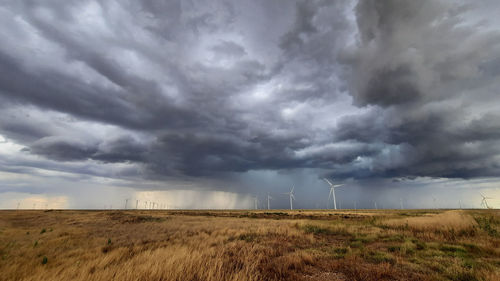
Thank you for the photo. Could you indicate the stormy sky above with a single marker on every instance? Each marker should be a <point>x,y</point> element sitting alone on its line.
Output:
<point>204,104</point>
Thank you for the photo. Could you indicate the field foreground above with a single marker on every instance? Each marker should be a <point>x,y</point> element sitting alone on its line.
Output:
<point>250,245</point>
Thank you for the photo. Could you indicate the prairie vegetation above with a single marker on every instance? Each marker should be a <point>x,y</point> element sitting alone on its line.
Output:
<point>250,245</point>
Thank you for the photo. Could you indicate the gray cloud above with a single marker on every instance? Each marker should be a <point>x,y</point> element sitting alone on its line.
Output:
<point>430,92</point>
<point>392,89</point>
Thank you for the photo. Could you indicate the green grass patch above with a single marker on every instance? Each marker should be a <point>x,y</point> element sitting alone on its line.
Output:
<point>472,248</point>
<point>488,224</point>
<point>340,252</point>
<point>363,238</point>
<point>453,250</point>
<point>322,230</point>
<point>407,248</point>
<point>420,245</point>
<point>469,264</point>
<point>378,257</point>
<point>393,238</point>
<point>309,228</point>
<point>394,248</point>
<point>356,244</point>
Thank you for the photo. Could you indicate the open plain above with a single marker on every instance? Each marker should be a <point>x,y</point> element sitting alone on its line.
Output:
<point>250,245</point>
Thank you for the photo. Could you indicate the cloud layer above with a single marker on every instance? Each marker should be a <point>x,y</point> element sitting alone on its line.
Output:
<point>188,89</point>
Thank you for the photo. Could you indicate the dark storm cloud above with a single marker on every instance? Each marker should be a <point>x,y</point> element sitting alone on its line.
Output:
<point>392,86</point>
<point>62,148</point>
<point>187,88</point>
<point>61,92</point>
<point>70,149</point>
<point>418,50</point>
<point>423,66</point>
<point>203,155</point>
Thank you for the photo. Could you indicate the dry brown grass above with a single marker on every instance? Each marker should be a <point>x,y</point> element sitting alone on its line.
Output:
<point>454,219</point>
<point>242,245</point>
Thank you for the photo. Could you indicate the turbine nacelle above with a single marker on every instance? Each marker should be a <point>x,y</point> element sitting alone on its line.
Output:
<point>484,202</point>
<point>332,191</point>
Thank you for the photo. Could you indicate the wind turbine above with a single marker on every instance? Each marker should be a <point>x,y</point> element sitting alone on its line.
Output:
<point>255,202</point>
<point>401,203</point>
<point>434,201</point>
<point>484,202</point>
<point>126,203</point>
<point>269,198</point>
<point>291,197</point>
<point>136,204</point>
<point>332,192</point>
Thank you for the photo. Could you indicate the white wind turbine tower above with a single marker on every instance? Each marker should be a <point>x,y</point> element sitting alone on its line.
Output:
<point>291,197</point>
<point>332,192</point>
<point>269,198</point>
<point>434,200</point>
<point>484,203</point>
<point>401,203</point>
<point>255,202</point>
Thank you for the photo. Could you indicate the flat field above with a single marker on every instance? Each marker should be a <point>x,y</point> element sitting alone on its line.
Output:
<point>250,245</point>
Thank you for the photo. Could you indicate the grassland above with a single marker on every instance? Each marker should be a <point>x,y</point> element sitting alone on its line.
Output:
<point>250,245</point>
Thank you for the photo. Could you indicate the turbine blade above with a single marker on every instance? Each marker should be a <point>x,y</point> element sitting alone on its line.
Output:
<point>328,181</point>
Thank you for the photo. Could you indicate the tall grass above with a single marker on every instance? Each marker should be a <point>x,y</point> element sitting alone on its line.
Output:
<point>210,245</point>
